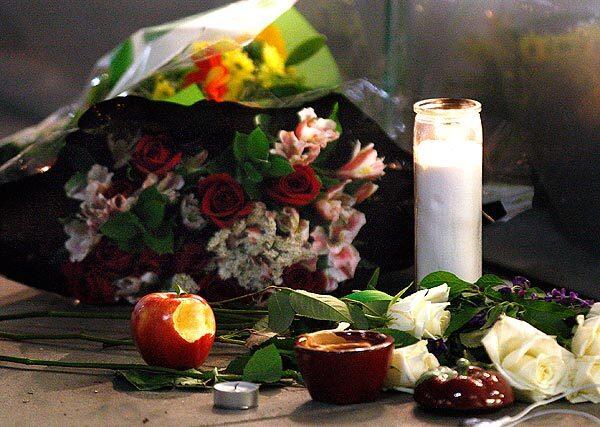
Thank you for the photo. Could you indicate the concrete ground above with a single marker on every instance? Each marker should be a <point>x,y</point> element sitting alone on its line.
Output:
<point>34,396</point>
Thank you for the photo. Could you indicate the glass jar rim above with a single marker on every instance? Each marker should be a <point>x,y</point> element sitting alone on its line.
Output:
<point>447,106</point>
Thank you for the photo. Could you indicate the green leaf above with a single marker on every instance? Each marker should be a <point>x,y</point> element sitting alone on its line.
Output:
<point>369,295</point>
<point>258,145</point>
<point>473,339</point>
<point>122,227</point>
<point>326,153</point>
<point>120,61</point>
<point>147,381</point>
<point>334,116</point>
<point>399,295</point>
<point>252,174</point>
<point>189,382</point>
<point>320,307</point>
<point>328,181</point>
<point>76,181</point>
<point>401,339</point>
<point>265,366</point>
<point>150,207</point>
<point>239,146</point>
<point>279,166</point>
<point>494,314</point>
<point>187,96</point>
<point>359,320</point>
<point>162,243</point>
<point>281,312</point>
<point>305,50</point>
<point>237,365</point>
<point>374,280</point>
<point>438,278</point>
<point>460,318</point>
<point>488,280</point>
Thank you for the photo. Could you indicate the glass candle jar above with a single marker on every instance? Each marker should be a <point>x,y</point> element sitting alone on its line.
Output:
<point>448,150</point>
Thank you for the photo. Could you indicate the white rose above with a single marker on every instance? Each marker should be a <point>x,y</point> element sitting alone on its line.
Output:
<point>423,313</point>
<point>586,341</point>
<point>586,372</point>
<point>532,362</point>
<point>408,364</point>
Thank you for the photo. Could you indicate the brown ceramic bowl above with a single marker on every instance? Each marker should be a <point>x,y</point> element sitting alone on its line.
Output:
<point>344,367</point>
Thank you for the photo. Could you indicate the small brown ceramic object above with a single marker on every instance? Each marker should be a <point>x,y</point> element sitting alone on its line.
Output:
<point>344,367</point>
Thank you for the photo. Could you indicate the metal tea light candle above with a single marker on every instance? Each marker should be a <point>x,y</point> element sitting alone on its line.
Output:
<point>447,151</point>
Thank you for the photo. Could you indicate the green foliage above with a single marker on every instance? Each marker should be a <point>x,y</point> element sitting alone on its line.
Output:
<point>334,116</point>
<point>401,339</point>
<point>305,50</point>
<point>120,61</point>
<point>265,366</point>
<point>320,307</point>
<point>145,224</point>
<point>255,161</point>
<point>456,285</point>
<point>460,317</point>
<point>76,181</point>
<point>148,381</point>
<point>374,280</point>
<point>281,312</point>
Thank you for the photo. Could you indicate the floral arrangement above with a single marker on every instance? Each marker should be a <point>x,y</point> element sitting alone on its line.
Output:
<point>262,211</point>
<point>226,71</point>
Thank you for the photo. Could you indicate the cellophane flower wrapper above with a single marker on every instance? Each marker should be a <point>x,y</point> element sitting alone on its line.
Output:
<point>259,52</point>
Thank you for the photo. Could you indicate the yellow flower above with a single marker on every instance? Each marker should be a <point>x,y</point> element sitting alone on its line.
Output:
<point>241,69</point>
<point>272,36</point>
<point>163,89</point>
<point>273,66</point>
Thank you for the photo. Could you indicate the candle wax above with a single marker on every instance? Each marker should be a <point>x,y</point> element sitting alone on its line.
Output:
<point>448,191</point>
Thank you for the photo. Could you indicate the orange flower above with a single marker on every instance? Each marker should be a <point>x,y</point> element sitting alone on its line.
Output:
<point>271,35</point>
<point>212,75</point>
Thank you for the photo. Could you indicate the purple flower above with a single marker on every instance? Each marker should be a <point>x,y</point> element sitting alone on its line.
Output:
<point>437,347</point>
<point>521,281</point>
<point>478,320</point>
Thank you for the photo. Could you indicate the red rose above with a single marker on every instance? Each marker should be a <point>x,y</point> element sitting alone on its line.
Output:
<point>153,154</point>
<point>296,276</point>
<point>222,199</point>
<point>90,280</point>
<point>191,259</point>
<point>298,188</point>
<point>214,289</point>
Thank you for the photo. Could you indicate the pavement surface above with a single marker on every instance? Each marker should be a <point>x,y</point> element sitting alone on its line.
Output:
<point>33,396</point>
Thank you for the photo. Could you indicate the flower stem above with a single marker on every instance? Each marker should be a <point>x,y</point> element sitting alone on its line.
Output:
<point>66,314</point>
<point>107,366</point>
<point>243,297</point>
<point>71,336</point>
<point>119,316</point>
<point>226,340</point>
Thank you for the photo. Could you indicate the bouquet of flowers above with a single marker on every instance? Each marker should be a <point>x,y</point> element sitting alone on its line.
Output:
<point>255,211</point>
<point>268,57</point>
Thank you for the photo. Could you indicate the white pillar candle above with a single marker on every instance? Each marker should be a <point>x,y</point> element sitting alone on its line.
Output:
<point>448,188</point>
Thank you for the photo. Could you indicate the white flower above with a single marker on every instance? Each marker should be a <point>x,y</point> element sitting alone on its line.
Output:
<point>586,341</point>
<point>408,364</point>
<point>586,372</point>
<point>532,362</point>
<point>190,212</point>
<point>254,253</point>
<point>81,240</point>
<point>168,186</point>
<point>423,313</point>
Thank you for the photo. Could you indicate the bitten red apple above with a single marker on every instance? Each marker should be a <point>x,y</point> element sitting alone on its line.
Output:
<point>173,330</point>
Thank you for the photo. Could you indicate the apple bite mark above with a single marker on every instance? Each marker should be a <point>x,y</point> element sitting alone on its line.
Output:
<point>192,320</point>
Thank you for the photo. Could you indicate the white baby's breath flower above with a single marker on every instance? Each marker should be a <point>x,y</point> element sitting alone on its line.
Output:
<point>252,251</point>
<point>422,314</point>
<point>532,362</point>
<point>408,364</point>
